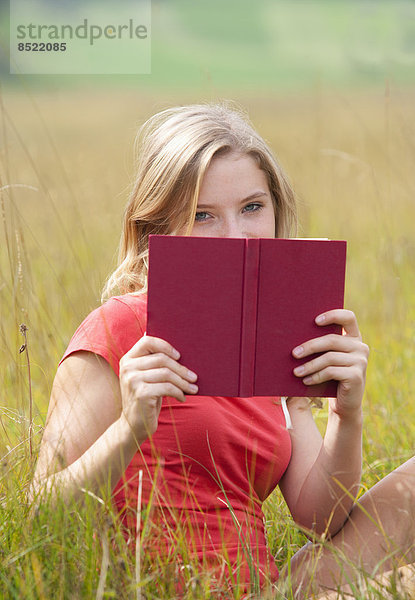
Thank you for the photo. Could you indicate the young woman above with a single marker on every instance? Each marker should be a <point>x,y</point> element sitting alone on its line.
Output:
<point>123,407</point>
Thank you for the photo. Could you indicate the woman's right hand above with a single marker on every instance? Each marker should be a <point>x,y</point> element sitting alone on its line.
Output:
<point>148,372</point>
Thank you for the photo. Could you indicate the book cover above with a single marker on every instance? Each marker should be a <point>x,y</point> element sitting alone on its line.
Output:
<point>235,308</point>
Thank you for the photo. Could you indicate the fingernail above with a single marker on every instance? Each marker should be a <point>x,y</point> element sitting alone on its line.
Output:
<point>299,370</point>
<point>320,318</point>
<point>298,351</point>
<point>191,375</point>
<point>193,388</point>
<point>308,380</point>
<point>176,354</point>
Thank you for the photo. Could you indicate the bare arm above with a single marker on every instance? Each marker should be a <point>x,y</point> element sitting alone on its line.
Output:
<point>378,536</point>
<point>85,440</point>
<point>321,470</point>
<point>96,421</point>
<point>324,474</point>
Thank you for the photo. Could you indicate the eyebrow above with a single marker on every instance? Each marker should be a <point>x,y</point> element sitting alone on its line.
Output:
<point>252,196</point>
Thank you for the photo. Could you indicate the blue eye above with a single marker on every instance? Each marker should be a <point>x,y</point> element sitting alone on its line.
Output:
<point>249,208</point>
<point>200,216</point>
<point>254,206</point>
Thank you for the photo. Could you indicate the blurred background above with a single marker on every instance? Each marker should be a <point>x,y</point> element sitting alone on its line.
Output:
<point>328,83</point>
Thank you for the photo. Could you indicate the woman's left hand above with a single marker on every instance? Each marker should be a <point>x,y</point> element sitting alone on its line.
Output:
<point>344,359</point>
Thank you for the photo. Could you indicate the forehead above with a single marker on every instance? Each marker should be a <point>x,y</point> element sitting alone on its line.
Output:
<point>233,175</point>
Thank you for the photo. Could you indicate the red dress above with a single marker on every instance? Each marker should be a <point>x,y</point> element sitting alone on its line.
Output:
<point>206,470</point>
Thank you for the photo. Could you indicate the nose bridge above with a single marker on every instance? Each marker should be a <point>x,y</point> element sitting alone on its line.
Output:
<point>232,226</point>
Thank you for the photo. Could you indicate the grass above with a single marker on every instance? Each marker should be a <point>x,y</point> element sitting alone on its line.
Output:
<point>66,165</point>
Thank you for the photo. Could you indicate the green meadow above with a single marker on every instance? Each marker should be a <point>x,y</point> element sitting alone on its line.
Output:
<point>267,45</point>
<point>330,87</point>
<point>350,156</point>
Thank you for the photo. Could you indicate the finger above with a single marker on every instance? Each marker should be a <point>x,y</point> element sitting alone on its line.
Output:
<point>340,316</point>
<point>164,374</point>
<point>161,390</point>
<point>150,345</point>
<point>341,374</point>
<point>326,343</point>
<point>153,361</point>
<point>329,358</point>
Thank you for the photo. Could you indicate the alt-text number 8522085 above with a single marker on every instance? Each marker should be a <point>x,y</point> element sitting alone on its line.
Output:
<point>41,47</point>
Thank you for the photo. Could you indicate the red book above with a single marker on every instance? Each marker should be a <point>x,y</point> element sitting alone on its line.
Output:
<point>235,308</point>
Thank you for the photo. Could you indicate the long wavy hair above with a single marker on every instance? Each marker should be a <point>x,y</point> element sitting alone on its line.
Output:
<point>173,150</point>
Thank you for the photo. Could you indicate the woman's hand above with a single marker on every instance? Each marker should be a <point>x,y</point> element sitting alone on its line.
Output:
<point>148,372</point>
<point>344,359</point>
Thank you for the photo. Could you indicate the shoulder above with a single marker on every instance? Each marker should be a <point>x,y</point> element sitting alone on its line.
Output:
<point>111,329</point>
<point>117,315</point>
<point>128,306</point>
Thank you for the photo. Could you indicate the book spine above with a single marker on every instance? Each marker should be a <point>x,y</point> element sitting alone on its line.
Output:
<point>249,317</point>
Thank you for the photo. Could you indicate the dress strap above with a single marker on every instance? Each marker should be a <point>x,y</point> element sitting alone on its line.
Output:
<point>288,422</point>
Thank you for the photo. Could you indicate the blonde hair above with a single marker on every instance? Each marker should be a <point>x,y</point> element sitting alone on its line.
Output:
<point>174,148</point>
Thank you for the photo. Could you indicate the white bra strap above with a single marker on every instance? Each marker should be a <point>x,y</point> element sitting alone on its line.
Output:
<point>288,422</point>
